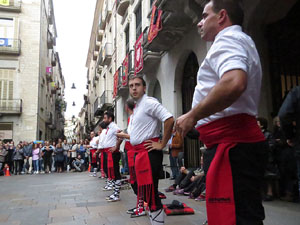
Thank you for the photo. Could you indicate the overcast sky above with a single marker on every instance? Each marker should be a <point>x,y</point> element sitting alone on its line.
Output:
<point>74,20</point>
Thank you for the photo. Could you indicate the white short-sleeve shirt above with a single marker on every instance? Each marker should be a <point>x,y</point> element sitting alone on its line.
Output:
<point>93,142</point>
<point>110,139</point>
<point>101,139</point>
<point>231,49</point>
<point>144,123</point>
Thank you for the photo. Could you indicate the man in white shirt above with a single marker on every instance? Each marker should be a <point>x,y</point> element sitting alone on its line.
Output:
<point>93,156</point>
<point>100,152</point>
<point>144,137</point>
<point>224,107</point>
<point>111,146</point>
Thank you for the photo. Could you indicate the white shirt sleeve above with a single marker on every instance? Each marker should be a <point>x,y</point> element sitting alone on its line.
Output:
<point>228,54</point>
<point>155,109</point>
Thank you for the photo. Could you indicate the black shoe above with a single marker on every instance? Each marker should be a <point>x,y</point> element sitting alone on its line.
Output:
<point>130,211</point>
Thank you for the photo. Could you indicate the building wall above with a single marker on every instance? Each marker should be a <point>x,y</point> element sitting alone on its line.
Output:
<point>30,83</point>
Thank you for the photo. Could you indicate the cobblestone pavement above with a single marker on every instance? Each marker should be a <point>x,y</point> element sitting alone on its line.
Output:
<point>76,198</point>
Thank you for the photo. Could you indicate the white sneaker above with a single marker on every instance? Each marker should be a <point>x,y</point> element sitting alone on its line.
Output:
<point>37,172</point>
<point>114,198</point>
<point>94,174</point>
<point>138,212</point>
<point>107,188</point>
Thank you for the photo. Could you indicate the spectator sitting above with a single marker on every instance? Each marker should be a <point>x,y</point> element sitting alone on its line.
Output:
<point>78,163</point>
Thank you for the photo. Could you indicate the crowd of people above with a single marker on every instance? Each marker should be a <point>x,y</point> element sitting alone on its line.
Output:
<point>44,156</point>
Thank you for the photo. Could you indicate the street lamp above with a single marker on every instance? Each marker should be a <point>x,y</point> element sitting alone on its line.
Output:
<point>73,86</point>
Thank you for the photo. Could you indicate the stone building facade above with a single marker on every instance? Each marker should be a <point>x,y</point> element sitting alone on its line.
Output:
<point>31,81</point>
<point>171,59</point>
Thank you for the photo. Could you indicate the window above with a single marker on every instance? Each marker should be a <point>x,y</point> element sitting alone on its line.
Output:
<point>6,88</point>
<point>138,21</point>
<point>127,39</point>
<point>6,32</point>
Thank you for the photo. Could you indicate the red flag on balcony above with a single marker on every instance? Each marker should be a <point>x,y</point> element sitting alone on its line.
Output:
<point>116,80</point>
<point>125,71</point>
<point>138,55</point>
<point>156,24</point>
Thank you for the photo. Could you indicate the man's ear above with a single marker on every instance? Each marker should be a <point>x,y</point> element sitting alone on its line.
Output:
<point>222,16</point>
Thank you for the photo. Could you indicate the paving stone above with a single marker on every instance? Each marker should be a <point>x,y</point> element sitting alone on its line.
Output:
<point>4,217</point>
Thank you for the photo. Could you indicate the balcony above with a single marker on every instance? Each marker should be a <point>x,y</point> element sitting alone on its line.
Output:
<point>100,59</point>
<point>151,59</point>
<point>103,102</point>
<point>122,83</point>
<point>49,73</point>
<point>97,45</point>
<point>95,55</point>
<point>53,58</point>
<point>107,53</point>
<point>122,6</point>
<point>100,34</point>
<point>12,6</point>
<point>177,18</point>
<point>108,10</point>
<point>11,106</point>
<point>10,46</point>
<point>49,118</point>
<point>102,23</point>
<point>50,40</point>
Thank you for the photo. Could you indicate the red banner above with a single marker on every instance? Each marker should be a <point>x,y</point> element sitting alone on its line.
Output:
<point>138,55</point>
<point>116,80</point>
<point>125,71</point>
<point>156,24</point>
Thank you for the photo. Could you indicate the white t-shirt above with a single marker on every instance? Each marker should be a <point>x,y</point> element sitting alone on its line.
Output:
<point>147,115</point>
<point>101,138</point>
<point>232,49</point>
<point>110,139</point>
<point>93,142</point>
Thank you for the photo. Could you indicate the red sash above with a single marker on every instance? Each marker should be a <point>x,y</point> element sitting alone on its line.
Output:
<point>110,164</point>
<point>93,156</point>
<point>144,175</point>
<point>225,133</point>
<point>130,157</point>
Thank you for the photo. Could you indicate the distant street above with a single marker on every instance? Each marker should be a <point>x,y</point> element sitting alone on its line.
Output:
<point>76,198</point>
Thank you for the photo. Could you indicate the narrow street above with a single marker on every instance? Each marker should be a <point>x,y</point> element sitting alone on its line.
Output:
<point>76,198</point>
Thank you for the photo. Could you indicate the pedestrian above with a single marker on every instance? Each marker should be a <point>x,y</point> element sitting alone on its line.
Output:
<point>225,104</point>
<point>18,159</point>
<point>93,156</point>
<point>144,137</point>
<point>67,155</point>
<point>73,152</point>
<point>289,115</point>
<point>3,153</point>
<point>175,145</point>
<point>47,152</point>
<point>27,150</point>
<point>111,146</point>
<point>59,157</point>
<point>35,158</point>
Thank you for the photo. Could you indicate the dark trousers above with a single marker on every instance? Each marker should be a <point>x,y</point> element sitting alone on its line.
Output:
<point>116,159</point>
<point>104,155</point>
<point>248,161</point>
<point>156,158</point>
<point>18,165</point>
<point>47,163</point>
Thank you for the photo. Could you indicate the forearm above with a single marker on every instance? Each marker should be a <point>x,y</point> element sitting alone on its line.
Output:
<point>168,127</point>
